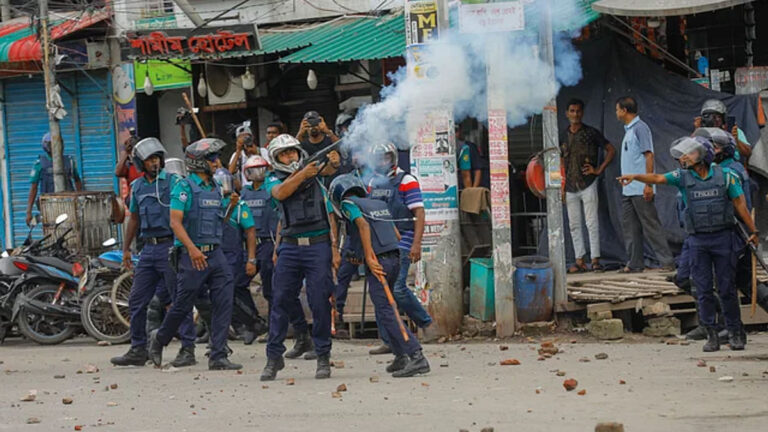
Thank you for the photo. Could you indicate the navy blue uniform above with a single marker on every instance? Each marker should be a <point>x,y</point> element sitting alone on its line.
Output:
<point>385,245</point>
<point>203,221</point>
<point>708,219</point>
<point>151,203</point>
<point>303,254</point>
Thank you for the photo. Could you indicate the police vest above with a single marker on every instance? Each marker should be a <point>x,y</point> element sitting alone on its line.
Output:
<point>204,220</point>
<point>233,235</point>
<point>378,216</point>
<point>304,211</point>
<point>388,190</point>
<point>741,172</point>
<point>153,201</point>
<point>46,174</point>
<point>265,216</point>
<point>708,207</point>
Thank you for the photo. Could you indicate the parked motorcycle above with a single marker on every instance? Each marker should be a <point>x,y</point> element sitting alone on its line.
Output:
<point>46,307</point>
<point>97,315</point>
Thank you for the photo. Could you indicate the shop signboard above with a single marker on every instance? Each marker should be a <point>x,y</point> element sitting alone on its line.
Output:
<point>164,74</point>
<point>191,43</point>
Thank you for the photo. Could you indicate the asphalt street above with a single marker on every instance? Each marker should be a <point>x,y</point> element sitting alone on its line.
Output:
<point>646,385</point>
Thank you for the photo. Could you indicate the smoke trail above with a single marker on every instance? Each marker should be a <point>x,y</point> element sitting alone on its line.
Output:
<point>456,66</point>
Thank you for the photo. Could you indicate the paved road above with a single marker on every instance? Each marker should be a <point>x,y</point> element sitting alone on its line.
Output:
<point>664,390</point>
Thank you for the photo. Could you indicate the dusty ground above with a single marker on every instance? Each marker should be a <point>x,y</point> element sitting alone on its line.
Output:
<point>664,390</point>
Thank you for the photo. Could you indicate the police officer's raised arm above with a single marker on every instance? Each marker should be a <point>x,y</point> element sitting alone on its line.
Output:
<point>287,188</point>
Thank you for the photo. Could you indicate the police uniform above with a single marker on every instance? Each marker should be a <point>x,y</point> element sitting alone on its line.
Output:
<point>150,200</point>
<point>387,189</point>
<point>265,217</point>
<point>385,245</point>
<point>43,172</point>
<point>203,210</point>
<point>244,311</point>
<point>304,253</point>
<point>708,219</point>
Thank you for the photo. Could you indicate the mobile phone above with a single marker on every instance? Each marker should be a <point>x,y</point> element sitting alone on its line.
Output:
<point>730,122</point>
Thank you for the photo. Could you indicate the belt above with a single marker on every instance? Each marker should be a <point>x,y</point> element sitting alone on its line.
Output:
<point>306,241</point>
<point>158,240</point>
<point>391,254</point>
<point>203,248</point>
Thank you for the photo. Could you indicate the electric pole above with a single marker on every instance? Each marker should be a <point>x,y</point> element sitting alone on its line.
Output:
<point>49,75</point>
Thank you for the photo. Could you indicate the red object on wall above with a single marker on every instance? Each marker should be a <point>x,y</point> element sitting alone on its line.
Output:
<point>534,176</point>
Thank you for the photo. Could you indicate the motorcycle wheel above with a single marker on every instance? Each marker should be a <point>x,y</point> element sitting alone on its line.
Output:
<point>99,321</point>
<point>121,293</point>
<point>41,329</point>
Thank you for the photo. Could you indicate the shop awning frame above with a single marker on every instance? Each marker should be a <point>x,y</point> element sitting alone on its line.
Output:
<point>19,42</point>
<point>659,8</point>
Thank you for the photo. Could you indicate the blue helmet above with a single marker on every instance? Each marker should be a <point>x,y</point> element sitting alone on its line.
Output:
<point>47,142</point>
<point>702,147</point>
<point>723,142</point>
<point>343,185</point>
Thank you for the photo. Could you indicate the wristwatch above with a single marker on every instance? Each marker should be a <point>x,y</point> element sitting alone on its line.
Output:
<point>253,261</point>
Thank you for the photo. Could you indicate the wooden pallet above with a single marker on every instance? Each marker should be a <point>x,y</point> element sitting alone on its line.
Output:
<point>617,287</point>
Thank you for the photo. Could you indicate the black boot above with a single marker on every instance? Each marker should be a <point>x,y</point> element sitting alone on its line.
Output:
<point>310,355</point>
<point>736,339</point>
<point>699,333</point>
<point>723,336</point>
<point>155,349</point>
<point>323,367</point>
<point>185,357</point>
<point>274,365</point>
<point>417,365</point>
<point>398,363</point>
<point>303,344</point>
<point>381,349</point>
<point>136,356</point>
<point>223,364</point>
<point>246,334</point>
<point>713,341</point>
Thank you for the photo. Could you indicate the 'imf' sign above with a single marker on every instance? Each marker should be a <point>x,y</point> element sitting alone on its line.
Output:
<point>711,193</point>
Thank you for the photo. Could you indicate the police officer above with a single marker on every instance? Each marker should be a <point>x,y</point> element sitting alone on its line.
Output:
<point>374,239</point>
<point>712,195</point>
<point>240,230</point>
<point>714,114</point>
<point>266,218</point>
<point>402,193</point>
<point>150,218</point>
<point>42,175</point>
<point>197,220</point>
<point>308,228</point>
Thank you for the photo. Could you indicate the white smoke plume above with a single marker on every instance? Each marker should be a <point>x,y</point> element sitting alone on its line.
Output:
<point>457,76</point>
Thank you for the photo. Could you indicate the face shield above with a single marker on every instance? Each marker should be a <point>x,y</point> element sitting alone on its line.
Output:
<point>225,180</point>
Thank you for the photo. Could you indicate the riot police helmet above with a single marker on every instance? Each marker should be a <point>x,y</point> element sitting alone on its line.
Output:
<point>344,185</point>
<point>146,148</point>
<point>255,168</point>
<point>199,153</point>
<point>382,157</point>
<point>692,150</point>
<point>279,145</point>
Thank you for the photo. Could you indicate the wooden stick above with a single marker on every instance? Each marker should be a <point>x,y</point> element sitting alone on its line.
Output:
<point>194,116</point>
<point>753,307</point>
<point>391,301</point>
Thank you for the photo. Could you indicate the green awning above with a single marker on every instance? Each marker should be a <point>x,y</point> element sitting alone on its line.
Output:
<point>355,38</point>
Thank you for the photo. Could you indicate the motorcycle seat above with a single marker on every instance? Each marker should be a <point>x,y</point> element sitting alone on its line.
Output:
<point>53,262</point>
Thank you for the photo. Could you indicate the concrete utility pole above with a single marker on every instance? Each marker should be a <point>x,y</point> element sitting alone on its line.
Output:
<point>49,75</point>
<point>190,12</point>
<point>498,150</point>
<point>5,10</point>
<point>552,166</point>
<point>441,245</point>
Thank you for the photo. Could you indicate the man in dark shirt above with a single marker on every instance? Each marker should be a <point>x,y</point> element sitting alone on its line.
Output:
<point>314,135</point>
<point>580,147</point>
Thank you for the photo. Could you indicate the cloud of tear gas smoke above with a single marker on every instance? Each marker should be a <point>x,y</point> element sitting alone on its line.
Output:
<point>459,62</point>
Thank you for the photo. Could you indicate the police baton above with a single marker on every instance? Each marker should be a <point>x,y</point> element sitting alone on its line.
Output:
<point>756,258</point>
<point>391,301</point>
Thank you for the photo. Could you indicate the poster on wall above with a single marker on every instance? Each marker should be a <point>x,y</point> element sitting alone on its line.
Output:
<point>421,22</point>
<point>498,154</point>
<point>124,95</point>
<point>433,162</point>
